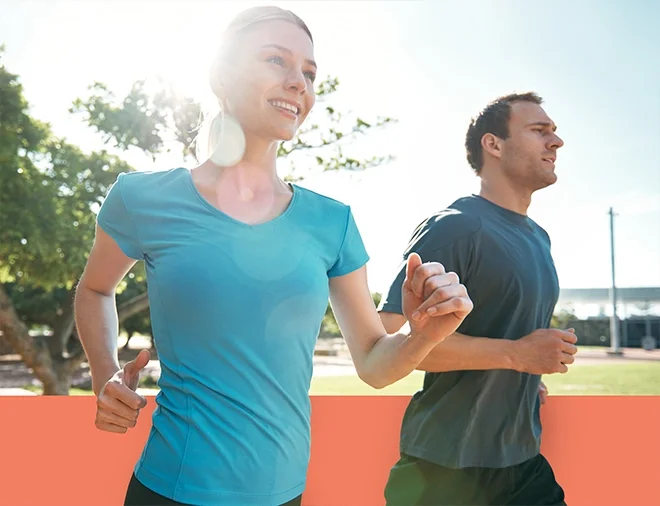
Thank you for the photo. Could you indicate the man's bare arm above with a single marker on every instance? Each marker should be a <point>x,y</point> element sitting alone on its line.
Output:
<point>544,351</point>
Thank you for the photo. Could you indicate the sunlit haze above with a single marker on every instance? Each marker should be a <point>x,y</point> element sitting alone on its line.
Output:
<point>432,65</point>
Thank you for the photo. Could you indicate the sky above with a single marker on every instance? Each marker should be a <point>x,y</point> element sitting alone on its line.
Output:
<point>432,65</point>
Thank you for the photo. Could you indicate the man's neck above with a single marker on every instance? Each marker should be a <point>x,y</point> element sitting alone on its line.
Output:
<point>505,195</point>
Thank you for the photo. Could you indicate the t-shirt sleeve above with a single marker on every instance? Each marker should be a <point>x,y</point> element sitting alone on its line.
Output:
<point>433,242</point>
<point>115,220</point>
<point>352,253</point>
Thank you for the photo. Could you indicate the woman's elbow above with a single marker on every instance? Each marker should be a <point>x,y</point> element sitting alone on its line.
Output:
<point>373,378</point>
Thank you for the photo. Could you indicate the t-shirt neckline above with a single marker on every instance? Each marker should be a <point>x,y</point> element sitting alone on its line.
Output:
<point>294,188</point>
<point>517,218</point>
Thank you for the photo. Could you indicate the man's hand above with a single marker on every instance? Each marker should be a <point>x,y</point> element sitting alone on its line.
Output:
<point>434,302</point>
<point>118,405</point>
<point>543,393</point>
<point>545,351</point>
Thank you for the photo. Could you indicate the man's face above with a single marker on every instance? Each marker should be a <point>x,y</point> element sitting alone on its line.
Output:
<point>530,152</point>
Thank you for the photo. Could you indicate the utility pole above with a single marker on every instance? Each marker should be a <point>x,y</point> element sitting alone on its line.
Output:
<point>615,347</point>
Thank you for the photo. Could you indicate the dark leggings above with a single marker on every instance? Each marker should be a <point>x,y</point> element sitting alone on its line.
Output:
<point>139,495</point>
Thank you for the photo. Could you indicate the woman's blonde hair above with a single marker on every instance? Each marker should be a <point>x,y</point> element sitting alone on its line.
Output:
<point>210,129</point>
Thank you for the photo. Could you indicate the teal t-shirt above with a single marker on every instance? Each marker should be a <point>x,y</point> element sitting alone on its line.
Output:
<point>235,311</point>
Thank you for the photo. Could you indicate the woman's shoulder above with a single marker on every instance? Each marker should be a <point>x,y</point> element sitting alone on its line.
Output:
<point>324,204</point>
<point>143,186</point>
<point>142,179</point>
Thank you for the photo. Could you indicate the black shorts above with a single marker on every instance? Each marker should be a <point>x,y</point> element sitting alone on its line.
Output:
<point>416,482</point>
<point>139,495</point>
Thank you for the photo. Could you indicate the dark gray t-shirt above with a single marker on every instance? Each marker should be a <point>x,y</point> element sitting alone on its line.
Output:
<point>482,418</point>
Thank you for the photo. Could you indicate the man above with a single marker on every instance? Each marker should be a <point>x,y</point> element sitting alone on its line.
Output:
<point>472,434</point>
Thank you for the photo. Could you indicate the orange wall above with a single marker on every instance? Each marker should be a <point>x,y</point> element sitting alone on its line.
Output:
<point>605,450</point>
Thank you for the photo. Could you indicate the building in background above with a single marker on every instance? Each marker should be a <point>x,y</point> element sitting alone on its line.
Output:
<point>638,312</point>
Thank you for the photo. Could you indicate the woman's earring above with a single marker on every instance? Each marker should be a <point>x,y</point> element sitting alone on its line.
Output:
<point>227,140</point>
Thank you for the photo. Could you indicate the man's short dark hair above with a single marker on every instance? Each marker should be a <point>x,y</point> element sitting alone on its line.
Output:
<point>494,119</point>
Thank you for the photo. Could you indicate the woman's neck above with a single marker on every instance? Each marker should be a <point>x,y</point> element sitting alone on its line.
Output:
<point>255,174</point>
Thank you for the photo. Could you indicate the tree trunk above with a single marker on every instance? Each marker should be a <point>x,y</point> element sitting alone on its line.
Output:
<point>54,372</point>
<point>59,383</point>
<point>62,330</point>
<point>59,387</point>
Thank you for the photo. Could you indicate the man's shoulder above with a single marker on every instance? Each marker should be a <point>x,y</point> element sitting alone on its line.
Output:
<point>540,230</point>
<point>459,220</point>
<point>462,216</point>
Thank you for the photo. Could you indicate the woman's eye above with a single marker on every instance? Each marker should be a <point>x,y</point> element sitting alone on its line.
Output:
<point>278,60</point>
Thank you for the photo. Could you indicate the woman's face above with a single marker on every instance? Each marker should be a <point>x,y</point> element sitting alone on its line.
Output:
<point>268,84</point>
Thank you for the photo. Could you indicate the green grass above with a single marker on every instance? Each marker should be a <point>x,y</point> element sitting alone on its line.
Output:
<point>72,391</point>
<point>607,379</point>
<point>612,379</point>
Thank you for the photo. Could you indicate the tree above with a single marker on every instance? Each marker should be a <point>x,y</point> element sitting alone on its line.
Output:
<point>49,191</point>
<point>562,319</point>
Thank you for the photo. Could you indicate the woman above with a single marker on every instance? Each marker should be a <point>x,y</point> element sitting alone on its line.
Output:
<point>240,266</point>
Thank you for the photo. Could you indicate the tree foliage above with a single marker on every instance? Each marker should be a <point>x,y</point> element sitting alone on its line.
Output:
<point>562,318</point>
<point>146,120</point>
<point>50,190</point>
